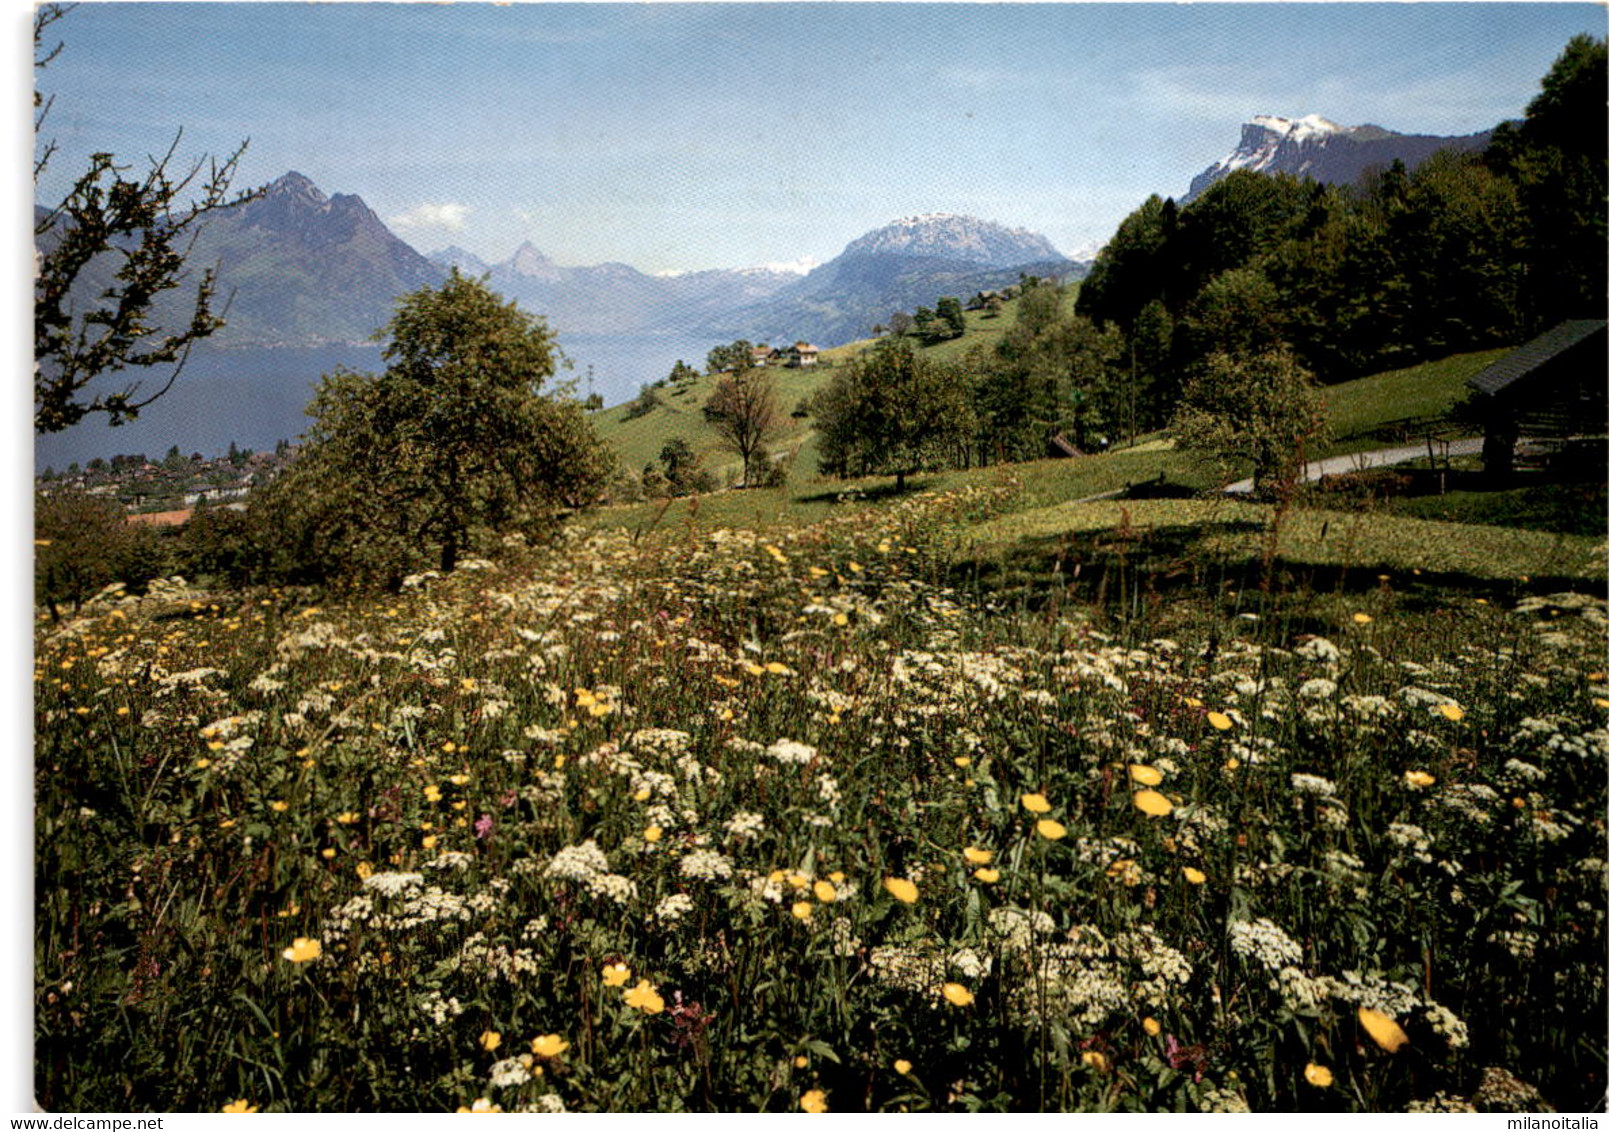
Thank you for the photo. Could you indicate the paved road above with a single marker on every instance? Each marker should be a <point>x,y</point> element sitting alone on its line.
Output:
<point>1379,458</point>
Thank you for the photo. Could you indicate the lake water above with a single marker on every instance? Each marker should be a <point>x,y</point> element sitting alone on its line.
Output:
<point>255,398</point>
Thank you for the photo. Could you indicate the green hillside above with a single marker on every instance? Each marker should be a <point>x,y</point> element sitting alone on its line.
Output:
<point>637,441</point>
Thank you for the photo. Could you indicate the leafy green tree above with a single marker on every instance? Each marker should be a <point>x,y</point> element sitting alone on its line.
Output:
<point>951,319</point>
<point>892,410</point>
<point>743,412</point>
<point>682,374</point>
<point>684,473</point>
<point>733,358</point>
<point>1260,408</point>
<point>82,544</point>
<point>105,254</point>
<point>454,440</point>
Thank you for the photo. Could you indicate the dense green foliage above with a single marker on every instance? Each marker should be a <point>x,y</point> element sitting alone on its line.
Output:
<point>451,447</point>
<point>1259,407</point>
<point>892,410</point>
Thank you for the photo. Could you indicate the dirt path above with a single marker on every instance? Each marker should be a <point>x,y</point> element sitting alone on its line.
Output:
<point>1360,461</point>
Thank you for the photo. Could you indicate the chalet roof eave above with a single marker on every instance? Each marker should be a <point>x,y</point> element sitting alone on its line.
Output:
<point>1522,360</point>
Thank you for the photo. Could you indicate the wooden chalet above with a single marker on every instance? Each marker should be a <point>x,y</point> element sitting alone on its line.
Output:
<point>803,354</point>
<point>1551,388</point>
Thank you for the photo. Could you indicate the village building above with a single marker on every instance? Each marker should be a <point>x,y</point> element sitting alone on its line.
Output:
<point>1550,390</point>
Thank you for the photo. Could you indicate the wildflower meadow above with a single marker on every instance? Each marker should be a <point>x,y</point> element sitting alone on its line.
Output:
<point>798,819</point>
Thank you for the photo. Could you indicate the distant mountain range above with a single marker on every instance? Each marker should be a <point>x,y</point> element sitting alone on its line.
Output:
<point>1318,148</point>
<point>909,263</point>
<point>302,269</point>
<point>613,298</point>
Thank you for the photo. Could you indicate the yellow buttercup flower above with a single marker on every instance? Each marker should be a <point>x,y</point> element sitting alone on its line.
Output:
<point>1051,830</point>
<point>490,1040</point>
<point>1362,618</point>
<point>279,807</point>
<point>1318,1075</point>
<point>1383,1029</point>
<point>1419,778</point>
<point>814,1101</point>
<point>901,1066</point>
<point>801,1062</point>
<point>900,889</point>
<point>1219,720</point>
<point>1096,1060</point>
<point>825,892</point>
<point>303,950</point>
<point>1194,876</point>
<point>652,833</point>
<point>957,994</point>
<point>1036,803</point>
<point>644,997</point>
<point>1145,775</point>
<point>1150,802</point>
<point>242,1105</point>
<point>976,856</point>
<point>550,1045</point>
<point>1451,711</point>
<point>1152,1026</point>
<point>615,974</point>
<point>987,876</point>
<point>803,910</point>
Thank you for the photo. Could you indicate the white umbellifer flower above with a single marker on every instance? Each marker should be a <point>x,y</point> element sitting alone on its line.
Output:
<point>1264,941</point>
<point>1319,649</point>
<point>744,824</point>
<point>788,751</point>
<point>1448,1025</point>
<point>673,907</point>
<point>508,1073</point>
<point>612,887</point>
<point>1317,689</point>
<point>578,862</point>
<point>390,884</point>
<point>705,864</point>
<point>1313,784</point>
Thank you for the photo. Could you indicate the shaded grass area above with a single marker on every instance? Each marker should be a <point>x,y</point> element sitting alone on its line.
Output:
<point>1399,406</point>
<point>1234,531</point>
<point>1567,508</point>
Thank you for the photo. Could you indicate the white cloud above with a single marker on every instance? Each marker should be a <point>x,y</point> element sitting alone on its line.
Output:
<point>447,215</point>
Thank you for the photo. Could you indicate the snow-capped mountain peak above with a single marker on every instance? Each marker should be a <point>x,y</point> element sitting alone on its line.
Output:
<point>947,235</point>
<point>1313,146</point>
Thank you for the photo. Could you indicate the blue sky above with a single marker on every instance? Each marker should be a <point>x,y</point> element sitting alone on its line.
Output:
<point>680,137</point>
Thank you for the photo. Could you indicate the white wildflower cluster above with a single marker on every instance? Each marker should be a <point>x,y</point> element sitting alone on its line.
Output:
<point>745,825</point>
<point>925,969</point>
<point>1411,837</point>
<point>1318,688</point>
<point>509,1073</point>
<point>480,955</point>
<point>673,907</point>
<point>578,862</point>
<point>1313,784</point>
<point>439,1007</point>
<point>1451,1027</point>
<point>788,751</point>
<point>705,864</point>
<point>1319,649</point>
<point>1018,926</point>
<point>1523,771</point>
<point>393,884</point>
<point>547,1102</point>
<point>1471,800</point>
<point>1501,1091</point>
<point>1264,941</point>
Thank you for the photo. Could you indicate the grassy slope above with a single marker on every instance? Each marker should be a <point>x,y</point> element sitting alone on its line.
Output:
<point>1369,412</point>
